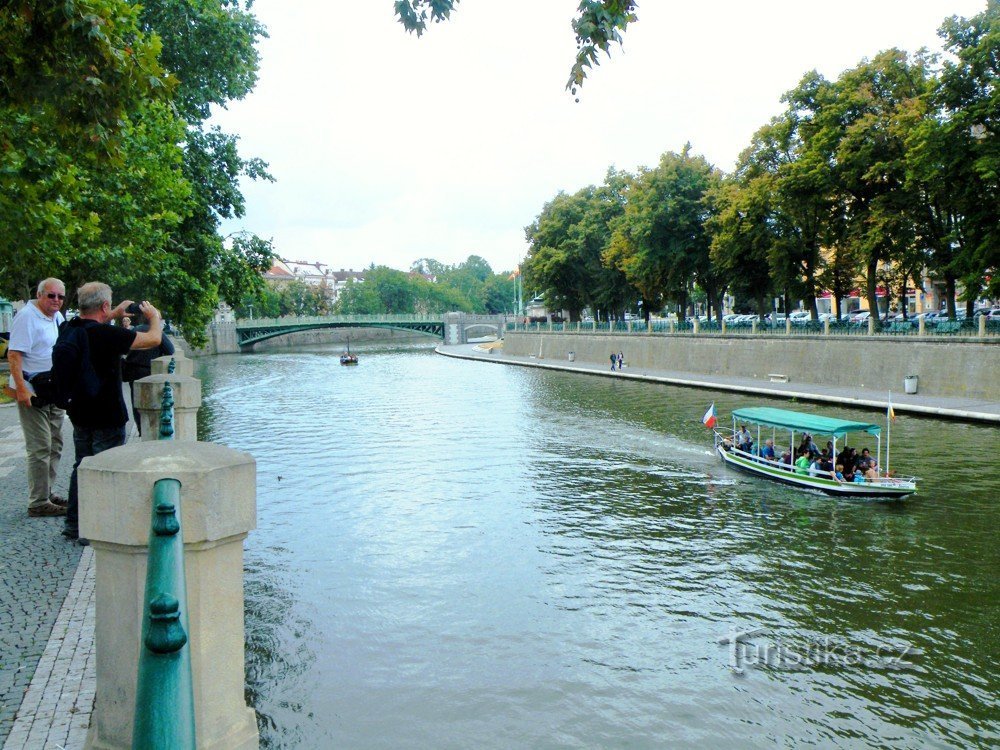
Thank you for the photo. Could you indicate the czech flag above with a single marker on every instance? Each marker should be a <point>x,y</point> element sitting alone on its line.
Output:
<point>709,419</point>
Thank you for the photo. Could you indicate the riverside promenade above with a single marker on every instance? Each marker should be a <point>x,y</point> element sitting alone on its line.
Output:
<point>932,406</point>
<point>47,669</point>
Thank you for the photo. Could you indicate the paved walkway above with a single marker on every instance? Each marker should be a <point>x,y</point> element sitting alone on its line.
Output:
<point>46,611</point>
<point>949,408</point>
<point>47,669</point>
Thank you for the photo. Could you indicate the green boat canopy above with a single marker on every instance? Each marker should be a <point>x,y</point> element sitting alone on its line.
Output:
<point>793,420</point>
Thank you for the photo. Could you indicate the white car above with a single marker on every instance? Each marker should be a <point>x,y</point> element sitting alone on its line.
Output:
<point>861,317</point>
<point>799,317</point>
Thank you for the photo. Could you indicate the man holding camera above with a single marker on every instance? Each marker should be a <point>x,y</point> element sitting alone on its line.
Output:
<point>99,423</point>
<point>33,333</point>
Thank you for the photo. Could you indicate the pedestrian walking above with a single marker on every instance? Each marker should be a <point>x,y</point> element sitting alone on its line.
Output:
<point>99,422</point>
<point>621,361</point>
<point>614,359</point>
<point>33,333</point>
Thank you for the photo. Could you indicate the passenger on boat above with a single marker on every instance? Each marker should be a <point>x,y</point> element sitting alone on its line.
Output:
<point>768,450</point>
<point>839,473</point>
<point>727,444</point>
<point>859,478</point>
<point>871,473</point>
<point>744,441</point>
<point>786,458</point>
<point>808,446</point>
<point>802,464</point>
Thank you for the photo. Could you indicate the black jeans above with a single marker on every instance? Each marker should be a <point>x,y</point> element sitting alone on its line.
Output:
<point>88,441</point>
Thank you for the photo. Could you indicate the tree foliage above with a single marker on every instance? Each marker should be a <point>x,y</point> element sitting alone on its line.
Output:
<point>107,168</point>
<point>597,25</point>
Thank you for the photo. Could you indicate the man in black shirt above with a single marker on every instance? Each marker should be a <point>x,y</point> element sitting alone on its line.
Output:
<point>99,423</point>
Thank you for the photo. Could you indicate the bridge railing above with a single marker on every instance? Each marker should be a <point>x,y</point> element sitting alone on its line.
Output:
<point>164,706</point>
<point>320,319</point>
<point>979,328</point>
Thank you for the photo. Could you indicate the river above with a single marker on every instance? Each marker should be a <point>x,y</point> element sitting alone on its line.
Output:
<point>455,554</point>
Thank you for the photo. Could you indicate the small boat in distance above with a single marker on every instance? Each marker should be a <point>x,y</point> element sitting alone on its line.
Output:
<point>347,358</point>
<point>790,424</point>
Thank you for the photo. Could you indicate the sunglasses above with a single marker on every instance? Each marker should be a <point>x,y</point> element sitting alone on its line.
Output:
<point>53,295</point>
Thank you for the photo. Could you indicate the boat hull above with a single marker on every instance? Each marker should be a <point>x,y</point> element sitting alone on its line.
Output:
<point>883,489</point>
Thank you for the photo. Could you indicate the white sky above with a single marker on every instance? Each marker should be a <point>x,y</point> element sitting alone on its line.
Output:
<point>388,148</point>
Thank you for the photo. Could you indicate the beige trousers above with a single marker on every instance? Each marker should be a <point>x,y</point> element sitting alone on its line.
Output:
<point>43,443</point>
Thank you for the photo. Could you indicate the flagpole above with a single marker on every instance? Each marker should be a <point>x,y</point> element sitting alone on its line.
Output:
<point>888,433</point>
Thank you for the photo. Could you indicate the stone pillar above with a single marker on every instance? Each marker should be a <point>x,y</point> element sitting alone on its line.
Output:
<point>753,326</point>
<point>578,326</point>
<point>921,326</point>
<point>826,327</point>
<point>187,401</point>
<point>723,326</point>
<point>182,365</point>
<point>218,509</point>
<point>788,326</point>
<point>593,324</point>
<point>695,325</point>
<point>982,326</point>
<point>871,326</point>
<point>673,326</point>
<point>628,326</point>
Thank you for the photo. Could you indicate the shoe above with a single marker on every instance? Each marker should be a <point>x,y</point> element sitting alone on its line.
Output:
<point>71,534</point>
<point>48,509</point>
<point>58,500</point>
<point>83,542</point>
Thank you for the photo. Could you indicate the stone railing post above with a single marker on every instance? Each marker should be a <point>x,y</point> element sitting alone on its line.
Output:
<point>628,326</point>
<point>871,326</point>
<point>673,326</point>
<point>921,326</point>
<point>826,327</point>
<point>788,326</point>
<point>182,365</point>
<point>753,327</point>
<point>723,327</point>
<point>982,326</point>
<point>187,401</point>
<point>218,510</point>
<point>696,325</point>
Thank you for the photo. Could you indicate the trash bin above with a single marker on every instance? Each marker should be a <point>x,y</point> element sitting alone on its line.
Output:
<point>910,384</point>
<point>572,356</point>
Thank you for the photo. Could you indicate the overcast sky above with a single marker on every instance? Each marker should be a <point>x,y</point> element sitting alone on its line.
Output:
<point>388,148</point>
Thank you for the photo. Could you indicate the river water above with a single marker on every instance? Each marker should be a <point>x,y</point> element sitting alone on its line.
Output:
<point>455,554</point>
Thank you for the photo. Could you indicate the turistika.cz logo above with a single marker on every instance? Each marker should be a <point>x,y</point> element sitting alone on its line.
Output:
<point>750,649</point>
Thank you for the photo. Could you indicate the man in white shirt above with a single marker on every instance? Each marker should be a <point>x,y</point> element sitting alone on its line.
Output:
<point>33,333</point>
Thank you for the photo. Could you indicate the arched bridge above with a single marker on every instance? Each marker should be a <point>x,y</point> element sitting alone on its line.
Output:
<point>453,328</point>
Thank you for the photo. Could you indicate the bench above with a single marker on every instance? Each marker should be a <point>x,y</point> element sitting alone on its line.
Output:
<point>775,377</point>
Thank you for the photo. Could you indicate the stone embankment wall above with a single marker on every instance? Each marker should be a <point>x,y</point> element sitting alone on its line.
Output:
<point>956,369</point>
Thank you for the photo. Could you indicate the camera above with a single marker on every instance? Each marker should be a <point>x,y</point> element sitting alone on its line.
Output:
<point>133,310</point>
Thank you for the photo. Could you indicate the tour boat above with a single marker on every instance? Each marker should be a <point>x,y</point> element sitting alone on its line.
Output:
<point>784,426</point>
<point>347,358</point>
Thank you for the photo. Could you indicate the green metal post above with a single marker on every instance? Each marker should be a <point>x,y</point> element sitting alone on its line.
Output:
<point>164,703</point>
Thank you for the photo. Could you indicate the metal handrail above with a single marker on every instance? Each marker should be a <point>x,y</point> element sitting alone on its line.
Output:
<point>164,701</point>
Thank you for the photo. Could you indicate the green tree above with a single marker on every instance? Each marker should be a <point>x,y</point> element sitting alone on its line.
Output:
<point>660,242</point>
<point>742,237</point>
<point>567,241</point>
<point>861,135</point>
<point>954,159</point>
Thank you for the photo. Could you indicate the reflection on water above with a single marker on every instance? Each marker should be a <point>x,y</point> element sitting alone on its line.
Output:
<point>454,554</point>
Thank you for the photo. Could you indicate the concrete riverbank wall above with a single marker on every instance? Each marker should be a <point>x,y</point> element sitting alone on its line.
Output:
<point>871,364</point>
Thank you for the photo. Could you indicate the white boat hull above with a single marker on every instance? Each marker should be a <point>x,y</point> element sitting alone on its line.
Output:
<point>886,487</point>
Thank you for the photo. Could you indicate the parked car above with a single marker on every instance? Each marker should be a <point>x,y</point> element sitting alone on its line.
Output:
<point>861,317</point>
<point>799,317</point>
